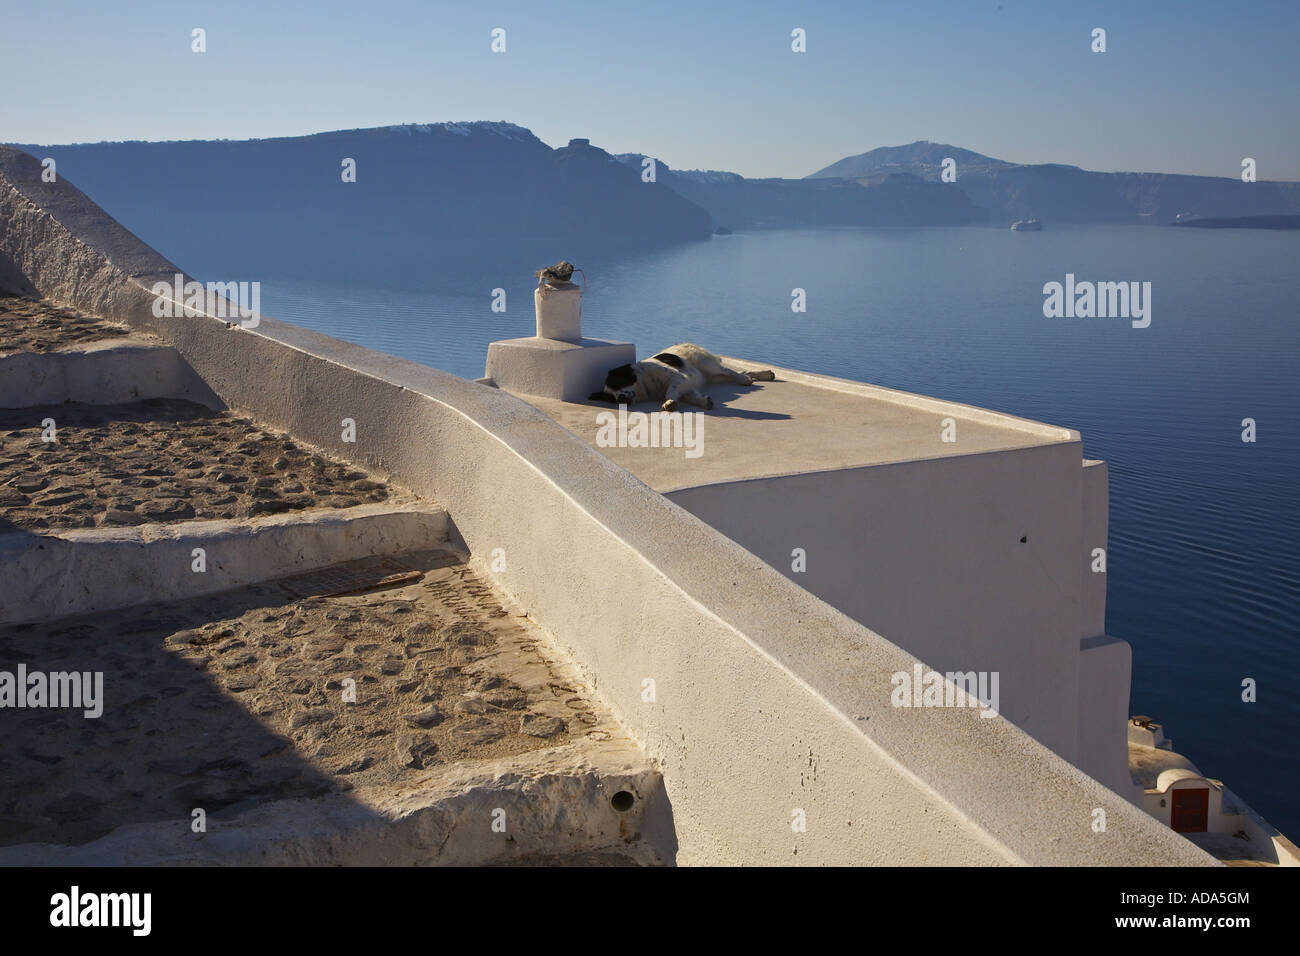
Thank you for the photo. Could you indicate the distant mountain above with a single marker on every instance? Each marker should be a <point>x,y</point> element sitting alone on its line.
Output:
<point>1059,193</point>
<point>890,199</point>
<point>432,202</point>
<point>921,158</point>
<point>421,192</point>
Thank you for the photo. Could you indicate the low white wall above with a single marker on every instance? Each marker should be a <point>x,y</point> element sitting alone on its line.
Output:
<point>49,576</point>
<point>765,711</point>
<point>1263,833</point>
<point>99,373</point>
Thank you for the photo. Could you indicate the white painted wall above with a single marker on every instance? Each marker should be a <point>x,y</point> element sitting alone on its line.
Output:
<point>928,554</point>
<point>1105,673</point>
<point>1105,663</point>
<point>1095,531</point>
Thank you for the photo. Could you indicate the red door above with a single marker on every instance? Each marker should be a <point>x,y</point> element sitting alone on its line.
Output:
<point>1190,811</point>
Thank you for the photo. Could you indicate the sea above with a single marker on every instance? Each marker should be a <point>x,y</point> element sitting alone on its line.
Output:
<point>1204,550</point>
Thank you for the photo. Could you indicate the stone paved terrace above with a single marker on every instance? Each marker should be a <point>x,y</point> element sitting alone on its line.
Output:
<point>35,325</point>
<point>803,423</point>
<point>234,701</point>
<point>162,460</point>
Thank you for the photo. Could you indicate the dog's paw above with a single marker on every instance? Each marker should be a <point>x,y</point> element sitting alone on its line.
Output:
<point>670,405</point>
<point>766,375</point>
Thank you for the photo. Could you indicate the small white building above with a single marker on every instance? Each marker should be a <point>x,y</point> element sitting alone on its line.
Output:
<point>1201,808</point>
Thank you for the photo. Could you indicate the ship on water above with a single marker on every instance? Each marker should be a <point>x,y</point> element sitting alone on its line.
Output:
<point>1026,225</point>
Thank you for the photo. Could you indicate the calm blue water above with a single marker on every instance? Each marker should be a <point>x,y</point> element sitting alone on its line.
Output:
<point>1204,574</point>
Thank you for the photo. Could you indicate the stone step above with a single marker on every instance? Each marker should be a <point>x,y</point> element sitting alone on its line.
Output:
<point>102,372</point>
<point>558,804</point>
<point>53,575</point>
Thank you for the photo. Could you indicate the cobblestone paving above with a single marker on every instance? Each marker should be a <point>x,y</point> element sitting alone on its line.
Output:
<point>225,702</point>
<point>38,326</point>
<point>160,460</point>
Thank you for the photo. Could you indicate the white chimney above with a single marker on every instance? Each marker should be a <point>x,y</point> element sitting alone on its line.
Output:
<point>557,362</point>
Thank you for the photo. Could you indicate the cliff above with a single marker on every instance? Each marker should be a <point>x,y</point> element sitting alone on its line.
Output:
<point>422,193</point>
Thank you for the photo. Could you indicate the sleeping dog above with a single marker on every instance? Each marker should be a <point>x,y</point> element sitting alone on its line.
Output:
<point>676,374</point>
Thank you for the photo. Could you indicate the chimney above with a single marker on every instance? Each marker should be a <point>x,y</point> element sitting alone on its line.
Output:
<point>557,362</point>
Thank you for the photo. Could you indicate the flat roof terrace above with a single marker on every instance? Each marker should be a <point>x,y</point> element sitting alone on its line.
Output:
<point>806,423</point>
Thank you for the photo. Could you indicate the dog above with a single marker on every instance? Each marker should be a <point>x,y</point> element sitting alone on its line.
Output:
<point>675,374</point>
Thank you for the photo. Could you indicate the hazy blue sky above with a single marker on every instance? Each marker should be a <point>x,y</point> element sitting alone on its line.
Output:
<point>1187,87</point>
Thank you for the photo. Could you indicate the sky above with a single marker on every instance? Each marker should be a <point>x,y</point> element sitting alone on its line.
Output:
<point>1183,87</point>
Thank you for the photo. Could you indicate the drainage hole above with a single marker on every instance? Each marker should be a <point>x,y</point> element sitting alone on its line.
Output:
<point>622,801</point>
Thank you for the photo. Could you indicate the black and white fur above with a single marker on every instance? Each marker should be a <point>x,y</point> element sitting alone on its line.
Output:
<point>675,374</point>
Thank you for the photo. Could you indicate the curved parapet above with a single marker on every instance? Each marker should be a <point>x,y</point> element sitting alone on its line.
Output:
<point>767,710</point>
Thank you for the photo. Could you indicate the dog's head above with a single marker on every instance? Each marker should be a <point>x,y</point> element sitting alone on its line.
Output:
<point>620,387</point>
